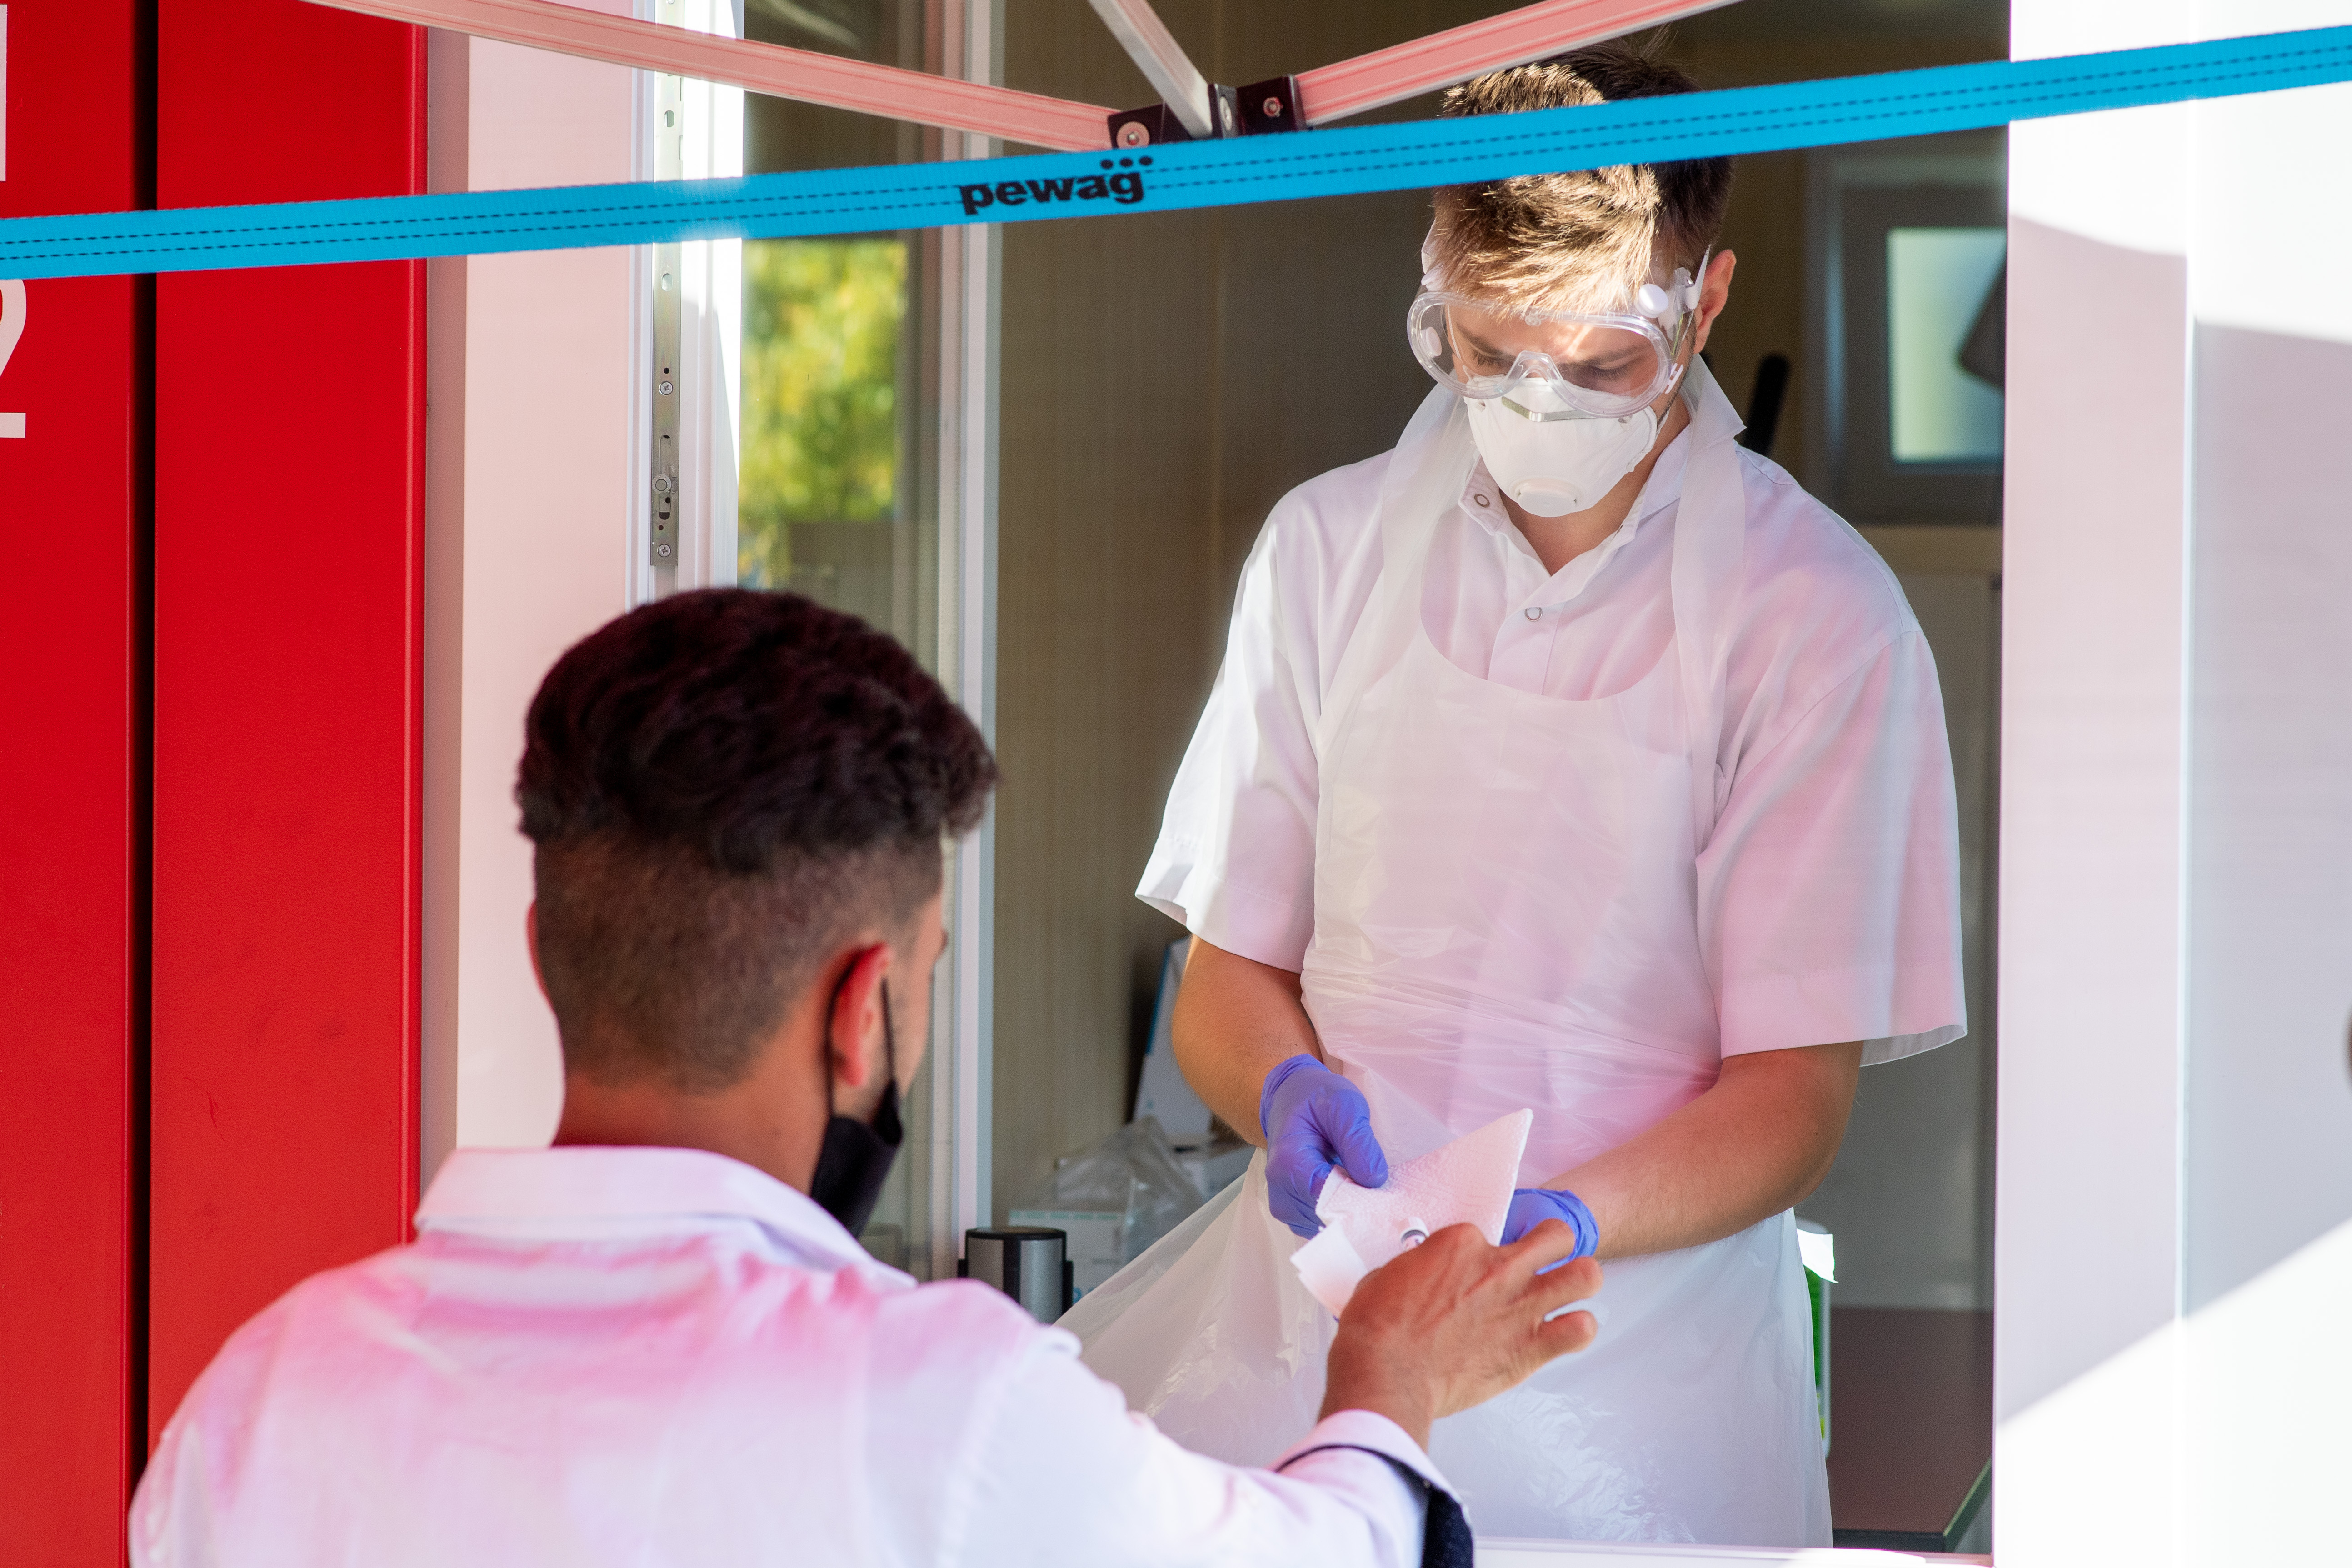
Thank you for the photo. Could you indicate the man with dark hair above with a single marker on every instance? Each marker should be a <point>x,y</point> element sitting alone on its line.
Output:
<point>659,1342</point>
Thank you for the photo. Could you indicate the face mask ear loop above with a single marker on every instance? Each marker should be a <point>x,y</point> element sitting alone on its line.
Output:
<point>1682,368</point>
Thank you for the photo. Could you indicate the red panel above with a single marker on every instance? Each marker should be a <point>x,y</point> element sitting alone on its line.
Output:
<point>288,556</point>
<point>72,735</point>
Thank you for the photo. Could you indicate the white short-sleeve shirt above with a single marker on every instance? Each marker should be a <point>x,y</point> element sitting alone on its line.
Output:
<point>1829,892</point>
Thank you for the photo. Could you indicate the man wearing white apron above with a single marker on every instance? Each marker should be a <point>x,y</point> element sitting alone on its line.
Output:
<point>1570,757</point>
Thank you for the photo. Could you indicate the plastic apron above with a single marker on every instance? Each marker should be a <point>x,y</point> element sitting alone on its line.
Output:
<point>1504,916</point>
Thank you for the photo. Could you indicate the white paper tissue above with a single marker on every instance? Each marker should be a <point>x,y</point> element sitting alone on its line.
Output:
<point>1468,1182</point>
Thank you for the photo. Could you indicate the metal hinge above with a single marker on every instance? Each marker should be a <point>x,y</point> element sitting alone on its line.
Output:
<point>667,340</point>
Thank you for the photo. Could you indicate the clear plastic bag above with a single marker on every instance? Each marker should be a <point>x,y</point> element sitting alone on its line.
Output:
<point>1132,1173</point>
<point>1213,1335</point>
<point>1210,1333</point>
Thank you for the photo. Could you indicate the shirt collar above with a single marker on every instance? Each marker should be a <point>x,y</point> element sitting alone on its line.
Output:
<point>1665,487</point>
<point>578,1192</point>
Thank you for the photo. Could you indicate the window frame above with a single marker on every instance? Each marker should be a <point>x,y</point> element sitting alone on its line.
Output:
<point>1855,198</point>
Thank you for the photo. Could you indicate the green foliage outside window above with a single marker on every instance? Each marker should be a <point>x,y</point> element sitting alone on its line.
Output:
<point>820,323</point>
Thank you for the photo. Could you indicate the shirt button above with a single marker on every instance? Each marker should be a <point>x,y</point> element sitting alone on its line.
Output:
<point>1482,501</point>
<point>1535,614</point>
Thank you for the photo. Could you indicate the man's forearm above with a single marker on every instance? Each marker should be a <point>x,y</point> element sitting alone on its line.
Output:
<point>1759,1141</point>
<point>1235,1021</point>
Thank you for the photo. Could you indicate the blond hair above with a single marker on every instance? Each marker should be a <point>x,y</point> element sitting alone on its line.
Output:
<point>1583,240</point>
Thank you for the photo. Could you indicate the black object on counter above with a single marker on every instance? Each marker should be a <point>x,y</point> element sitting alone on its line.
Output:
<point>1029,1263</point>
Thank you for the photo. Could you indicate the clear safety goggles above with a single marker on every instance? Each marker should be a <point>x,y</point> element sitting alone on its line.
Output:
<point>1557,364</point>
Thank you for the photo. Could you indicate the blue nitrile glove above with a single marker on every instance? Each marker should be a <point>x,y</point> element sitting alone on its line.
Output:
<point>1530,1206</point>
<point>1314,1120</point>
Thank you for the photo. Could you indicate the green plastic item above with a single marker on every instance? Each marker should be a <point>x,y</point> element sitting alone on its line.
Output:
<point>1818,1248</point>
<point>1819,1290</point>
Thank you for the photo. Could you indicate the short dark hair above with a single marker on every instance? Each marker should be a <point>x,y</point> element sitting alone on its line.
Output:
<point>721,785</point>
<point>1554,239</point>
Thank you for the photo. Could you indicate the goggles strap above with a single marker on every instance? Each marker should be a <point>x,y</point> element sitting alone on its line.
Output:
<point>1685,337</point>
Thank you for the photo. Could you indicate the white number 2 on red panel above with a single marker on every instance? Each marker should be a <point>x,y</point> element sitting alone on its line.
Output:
<point>12,327</point>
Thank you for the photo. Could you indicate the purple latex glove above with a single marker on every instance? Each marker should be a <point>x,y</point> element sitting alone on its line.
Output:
<point>1314,1120</point>
<point>1530,1206</point>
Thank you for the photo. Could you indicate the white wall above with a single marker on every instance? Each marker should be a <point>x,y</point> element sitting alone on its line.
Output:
<point>2175,1185</point>
<point>2267,1198</point>
<point>530,526</point>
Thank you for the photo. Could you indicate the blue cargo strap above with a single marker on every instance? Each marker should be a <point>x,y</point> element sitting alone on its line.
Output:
<point>1174,176</point>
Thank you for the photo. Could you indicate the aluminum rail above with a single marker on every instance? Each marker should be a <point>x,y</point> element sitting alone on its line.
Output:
<point>1441,59</point>
<point>771,69</point>
<point>1163,61</point>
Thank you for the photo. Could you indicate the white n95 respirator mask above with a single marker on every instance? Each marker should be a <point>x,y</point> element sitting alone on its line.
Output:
<point>1552,467</point>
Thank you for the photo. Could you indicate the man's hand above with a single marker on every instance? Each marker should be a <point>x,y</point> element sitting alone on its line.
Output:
<point>1314,1120</point>
<point>1454,1322</point>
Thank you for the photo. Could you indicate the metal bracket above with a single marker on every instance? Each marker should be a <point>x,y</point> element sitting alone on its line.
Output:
<point>1270,105</point>
<point>1157,123</point>
<point>1147,126</point>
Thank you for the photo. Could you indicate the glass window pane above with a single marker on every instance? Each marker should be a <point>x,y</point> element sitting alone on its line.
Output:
<point>1937,281</point>
<point>824,504</point>
<point>822,321</point>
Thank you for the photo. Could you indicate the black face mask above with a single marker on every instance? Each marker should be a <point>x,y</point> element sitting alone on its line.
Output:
<point>854,1158</point>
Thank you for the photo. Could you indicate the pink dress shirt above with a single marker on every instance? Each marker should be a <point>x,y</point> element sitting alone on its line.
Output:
<point>652,1356</point>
